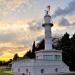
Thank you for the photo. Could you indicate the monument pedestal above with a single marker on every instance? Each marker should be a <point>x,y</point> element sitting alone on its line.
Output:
<point>52,60</point>
<point>51,55</point>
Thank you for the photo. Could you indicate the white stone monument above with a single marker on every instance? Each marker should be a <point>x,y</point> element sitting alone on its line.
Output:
<point>47,61</point>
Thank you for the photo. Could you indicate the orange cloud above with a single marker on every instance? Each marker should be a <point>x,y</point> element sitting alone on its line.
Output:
<point>8,52</point>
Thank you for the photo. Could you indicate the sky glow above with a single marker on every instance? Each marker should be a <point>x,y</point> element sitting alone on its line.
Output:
<point>21,23</point>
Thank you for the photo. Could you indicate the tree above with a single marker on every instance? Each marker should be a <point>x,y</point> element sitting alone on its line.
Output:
<point>15,57</point>
<point>67,45</point>
<point>72,64</point>
<point>56,43</point>
<point>40,45</point>
<point>73,42</point>
<point>33,50</point>
<point>66,49</point>
<point>33,47</point>
<point>30,54</point>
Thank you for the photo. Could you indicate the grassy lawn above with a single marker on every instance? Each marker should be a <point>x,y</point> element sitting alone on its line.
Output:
<point>69,74</point>
<point>3,73</point>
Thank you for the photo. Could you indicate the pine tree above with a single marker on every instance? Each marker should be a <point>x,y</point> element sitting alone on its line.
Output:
<point>41,45</point>
<point>28,54</point>
<point>33,47</point>
<point>33,50</point>
<point>73,42</point>
<point>72,64</point>
<point>15,57</point>
<point>66,49</point>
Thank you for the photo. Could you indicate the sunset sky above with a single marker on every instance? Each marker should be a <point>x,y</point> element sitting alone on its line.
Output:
<point>21,23</point>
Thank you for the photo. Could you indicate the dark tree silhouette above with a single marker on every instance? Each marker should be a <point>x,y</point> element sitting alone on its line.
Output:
<point>66,48</point>
<point>15,57</point>
<point>72,63</point>
<point>6,63</point>
<point>28,54</point>
<point>31,53</point>
<point>56,45</point>
<point>33,47</point>
<point>67,45</point>
<point>73,42</point>
<point>33,50</point>
<point>40,45</point>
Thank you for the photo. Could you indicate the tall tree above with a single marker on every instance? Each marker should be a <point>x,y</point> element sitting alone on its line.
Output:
<point>73,42</point>
<point>33,50</point>
<point>33,47</point>
<point>40,45</point>
<point>15,57</point>
<point>72,64</point>
<point>66,48</point>
<point>28,54</point>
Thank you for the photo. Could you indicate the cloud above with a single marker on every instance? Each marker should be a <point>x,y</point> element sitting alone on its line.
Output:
<point>9,5</point>
<point>67,10</point>
<point>40,38</point>
<point>11,8</point>
<point>7,37</point>
<point>65,22</point>
<point>35,26</point>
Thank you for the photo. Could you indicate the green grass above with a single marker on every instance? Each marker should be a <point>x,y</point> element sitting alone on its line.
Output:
<point>69,74</point>
<point>3,73</point>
